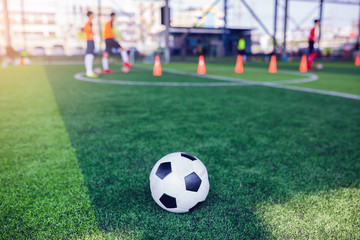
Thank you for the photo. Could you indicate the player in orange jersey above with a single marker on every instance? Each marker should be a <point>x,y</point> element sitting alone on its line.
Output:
<point>89,56</point>
<point>111,43</point>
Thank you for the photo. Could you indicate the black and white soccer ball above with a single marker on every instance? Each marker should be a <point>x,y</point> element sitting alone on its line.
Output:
<point>98,71</point>
<point>179,182</point>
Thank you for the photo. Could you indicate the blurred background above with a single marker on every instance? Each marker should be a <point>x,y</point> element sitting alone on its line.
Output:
<point>210,27</point>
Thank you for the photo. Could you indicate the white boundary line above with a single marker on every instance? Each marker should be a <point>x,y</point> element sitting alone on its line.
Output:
<point>81,77</point>
<point>309,77</point>
<point>317,91</point>
<point>229,82</point>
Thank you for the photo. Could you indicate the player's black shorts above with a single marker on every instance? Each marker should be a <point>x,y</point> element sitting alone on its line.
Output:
<point>242,52</point>
<point>90,47</point>
<point>311,46</point>
<point>111,43</point>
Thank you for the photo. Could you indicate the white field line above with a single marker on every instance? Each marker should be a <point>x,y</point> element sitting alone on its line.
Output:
<point>322,92</point>
<point>277,84</point>
<point>229,82</point>
<point>56,62</point>
<point>81,77</point>
<point>309,77</point>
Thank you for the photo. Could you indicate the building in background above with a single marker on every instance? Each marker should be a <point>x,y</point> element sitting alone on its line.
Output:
<point>40,33</point>
<point>213,42</point>
<point>206,17</point>
<point>55,29</point>
<point>200,31</point>
<point>58,32</point>
<point>148,24</point>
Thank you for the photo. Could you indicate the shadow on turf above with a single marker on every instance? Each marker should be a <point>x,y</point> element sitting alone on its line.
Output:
<point>256,148</point>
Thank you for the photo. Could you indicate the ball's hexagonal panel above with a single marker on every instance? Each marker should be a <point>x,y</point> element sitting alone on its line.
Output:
<point>192,182</point>
<point>168,201</point>
<point>182,167</point>
<point>188,156</point>
<point>163,170</point>
<point>203,190</point>
<point>173,185</point>
<point>187,200</point>
<point>156,187</point>
<point>200,169</point>
<point>170,157</point>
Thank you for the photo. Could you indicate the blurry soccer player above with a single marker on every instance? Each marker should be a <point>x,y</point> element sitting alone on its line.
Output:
<point>312,39</point>
<point>89,56</point>
<point>111,43</point>
<point>241,47</point>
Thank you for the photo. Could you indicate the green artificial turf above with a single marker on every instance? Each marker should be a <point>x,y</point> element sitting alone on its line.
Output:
<point>227,70</point>
<point>137,75</point>
<point>281,164</point>
<point>42,192</point>
<point>330,214</point>
<point>270,153</point>
<point>338,77</point>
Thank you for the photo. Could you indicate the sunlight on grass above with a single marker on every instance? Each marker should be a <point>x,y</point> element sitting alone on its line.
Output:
<point>123,234</point>
<point>258,144</point>
<point>76,167</point>
<point>42,192</point>
<point>332,214</point>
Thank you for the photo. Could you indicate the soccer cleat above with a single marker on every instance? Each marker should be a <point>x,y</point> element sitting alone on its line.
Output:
<point>92,75</point>
<point>127,64</point>
<point>108,71</point>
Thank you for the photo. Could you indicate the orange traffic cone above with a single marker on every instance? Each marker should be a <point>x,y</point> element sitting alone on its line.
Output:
<point>157,67</point>
<point>357,60</point>
<point>272,66</point>
<point>303,64</point>
<point>239,64</point>
<point>201,66</point>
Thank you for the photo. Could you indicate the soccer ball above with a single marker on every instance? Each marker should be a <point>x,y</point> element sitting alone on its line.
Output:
<point>125,69</point>
<point>319,66</point>
<point>179,182</point>
<point>98,71</point>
